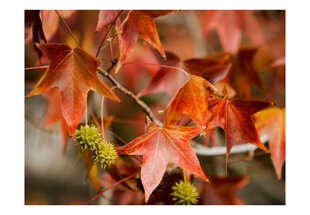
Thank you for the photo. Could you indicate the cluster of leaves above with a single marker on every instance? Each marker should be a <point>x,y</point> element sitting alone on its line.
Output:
<point>201,91</point>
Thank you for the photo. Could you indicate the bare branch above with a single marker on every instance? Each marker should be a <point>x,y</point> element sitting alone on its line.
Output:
<point>139,102</point>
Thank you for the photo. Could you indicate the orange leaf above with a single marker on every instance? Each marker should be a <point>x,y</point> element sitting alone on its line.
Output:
<point>161,145</point>
<point>272,123</point>
<point>192,100</point>
<point>73,71</point>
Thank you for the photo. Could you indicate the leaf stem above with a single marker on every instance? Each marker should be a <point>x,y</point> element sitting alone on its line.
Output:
<point>113,185</point>
<point>36,67</point>
<point>139,102</point>
<point>64,22</point>
<point>165,66</point>
<point>106,34</point>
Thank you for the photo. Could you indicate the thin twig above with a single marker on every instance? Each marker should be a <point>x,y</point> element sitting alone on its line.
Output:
<point>106,34</point>
<point>64,22</point>
<point>139,102</point>
<point>113,185</point>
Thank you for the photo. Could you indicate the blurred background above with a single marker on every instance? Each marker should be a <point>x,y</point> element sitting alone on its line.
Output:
<point>54,170</point>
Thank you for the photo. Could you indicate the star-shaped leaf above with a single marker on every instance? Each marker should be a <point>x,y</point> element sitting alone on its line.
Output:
<point>191,99</point>
<point>139,23</point>
<point>234,116</point>
<point>272,123</point>
<point>161,145</point>
<point>73,71</point>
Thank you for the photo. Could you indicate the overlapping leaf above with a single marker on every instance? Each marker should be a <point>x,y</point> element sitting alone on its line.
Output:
<point>105,17</point>
<point>243,73</point>
<point>223,191</point>
<point>161,81</point>
<point>53,114</point>
<point>234,116</point>
<point>139,23</point>
<point>213,68</point>
<point>191,99</point>
<point>230,24</point>
<point>73,71</point>
<point>161,145</point>
<point>271,122</point>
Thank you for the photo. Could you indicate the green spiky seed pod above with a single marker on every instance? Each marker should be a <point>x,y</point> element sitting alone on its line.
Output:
<point>88,137</point>
<point>185,193</point>
<point>105,154</point>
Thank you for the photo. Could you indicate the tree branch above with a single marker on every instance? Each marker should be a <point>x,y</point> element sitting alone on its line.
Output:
<point>221,150</point>
<point>139,102</point>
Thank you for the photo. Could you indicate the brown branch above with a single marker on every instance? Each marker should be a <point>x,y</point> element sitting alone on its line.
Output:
<point>106,34</point>
<point>139,102</point>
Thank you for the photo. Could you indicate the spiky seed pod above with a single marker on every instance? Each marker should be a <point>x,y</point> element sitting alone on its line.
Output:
<point>88,137</point>
<point>105,154</point>
<point>185,193</point>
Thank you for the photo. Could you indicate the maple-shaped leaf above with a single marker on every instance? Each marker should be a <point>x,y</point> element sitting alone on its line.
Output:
<point>53,114</point>
<point>191,99</point>
<point>161,81</point>
<point>139,23</point>
<point>234,117</point>
<point>73,71</point>
<point>271,122</point>
<point>105,17</point>
<point>223,191</point>
<point>243,73</point>
<point>230,24</point>
<point>212,68</point>
<point>161,145</point>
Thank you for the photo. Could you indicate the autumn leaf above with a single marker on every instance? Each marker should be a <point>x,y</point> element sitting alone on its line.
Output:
<point>53,114</point>
<point>73,71</point>
<point>234,116</point>
<point>191,99</point>
<point>160,82</point>
<point>50,21</point>
<point>105,17</point>
<point>243,73</point>
<point>139,23</point>
<point>230,24</point>
<point>271,122</point>
<point>223,191</point>
<point>213,68</point>
<point>161,145</point>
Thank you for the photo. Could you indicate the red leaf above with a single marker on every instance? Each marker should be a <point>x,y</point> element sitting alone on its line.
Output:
<point>161,145</point>
<point>213,68</point>
<point>191,99</point>
<point>230,24</point>
<point>73,71</point>
<point>139,23</point>
<point>234,116</point>
<point>243,73</point>
<point>53,114</point>
<point>272,123</point>
<point>223,191</point>
<point>105,17</point>
<point>161,80</point>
